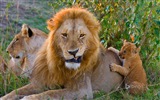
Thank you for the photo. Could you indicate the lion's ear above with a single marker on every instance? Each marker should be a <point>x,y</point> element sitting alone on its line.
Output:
<point>26,31</point>
<point>136,50</point>
<point>50,24</point>
<point>124,42</point>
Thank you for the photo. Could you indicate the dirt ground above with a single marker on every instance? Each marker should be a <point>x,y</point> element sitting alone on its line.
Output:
<point>10,11</point>
<point>14,12</point>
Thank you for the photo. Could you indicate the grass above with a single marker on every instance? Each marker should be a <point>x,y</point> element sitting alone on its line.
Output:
<point>11,25</point>
<point>35,14</point>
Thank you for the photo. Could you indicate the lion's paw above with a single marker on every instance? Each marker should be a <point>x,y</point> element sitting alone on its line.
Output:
<point>113,67</point>
<point>127,87</point>
<point>32,97</point>
<point>110,48</point>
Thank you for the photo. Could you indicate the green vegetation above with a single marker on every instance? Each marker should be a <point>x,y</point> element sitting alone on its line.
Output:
<point>119,20</point>
<point>13,15</point>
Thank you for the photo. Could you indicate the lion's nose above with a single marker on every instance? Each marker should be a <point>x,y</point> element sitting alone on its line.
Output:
<point>7,50</point>
<point>73,52</point>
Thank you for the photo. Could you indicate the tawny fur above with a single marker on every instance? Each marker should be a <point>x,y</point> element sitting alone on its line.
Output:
<point>59,73</point>
<point>3,70</point>
<point>3,65</point>
<point>25,45</point>
<point>135,76</point>
<point>71,28</point>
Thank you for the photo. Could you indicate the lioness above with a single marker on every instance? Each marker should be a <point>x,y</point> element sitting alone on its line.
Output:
<point>23,49</point>
<point>135,76</point>
<point>71,58</point>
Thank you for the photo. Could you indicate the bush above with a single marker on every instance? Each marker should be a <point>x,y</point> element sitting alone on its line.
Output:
<point>123,19</point>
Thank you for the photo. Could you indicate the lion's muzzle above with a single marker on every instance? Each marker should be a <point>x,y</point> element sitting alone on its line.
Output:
<point>73,63</point>
<point>73,52</point>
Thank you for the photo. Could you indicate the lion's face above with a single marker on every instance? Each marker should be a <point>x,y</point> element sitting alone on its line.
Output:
<point>73,36</point>
<point>25,46</point>
<point>16,47</point>
<point>128,50</point>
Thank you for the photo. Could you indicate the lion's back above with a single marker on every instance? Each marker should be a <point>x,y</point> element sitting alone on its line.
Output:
<point>39,32</point>
<point>103,78</point>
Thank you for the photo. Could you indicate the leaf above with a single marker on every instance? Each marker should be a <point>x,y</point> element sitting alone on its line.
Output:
<point>150,5</point>
<point>8,5</point>
<point>156,31</point>
<point>132,38</point>
<point>107,8</point>
<point>158,94</point>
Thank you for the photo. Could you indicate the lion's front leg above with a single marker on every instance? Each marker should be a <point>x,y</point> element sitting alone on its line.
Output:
<point>21,92</point>
<point>84,90</point>
<point>65,94</point>
<point>114,50</point>
<point>50,95</point>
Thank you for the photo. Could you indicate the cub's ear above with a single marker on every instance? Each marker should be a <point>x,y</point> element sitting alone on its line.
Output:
<point>26,31</point>
<point>50,24</point>
<point>124,42</point>
<point>137,50</point>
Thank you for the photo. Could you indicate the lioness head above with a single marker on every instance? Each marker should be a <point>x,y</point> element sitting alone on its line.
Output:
<point>25,45</point>
<point>128,50</point>
<point>17,48</point>
<point>75,35</point>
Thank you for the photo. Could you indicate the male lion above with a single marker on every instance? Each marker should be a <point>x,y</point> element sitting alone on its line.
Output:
<point>135,76</point>
<point>23,49</point>
<point>71,59</point>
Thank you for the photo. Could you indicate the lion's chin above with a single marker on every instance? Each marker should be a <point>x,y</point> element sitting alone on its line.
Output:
<point>72,65</point>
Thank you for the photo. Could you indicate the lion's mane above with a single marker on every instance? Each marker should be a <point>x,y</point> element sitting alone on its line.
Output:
<point>49,66</point>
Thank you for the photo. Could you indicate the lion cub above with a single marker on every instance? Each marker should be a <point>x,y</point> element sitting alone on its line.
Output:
<point>135,76</point>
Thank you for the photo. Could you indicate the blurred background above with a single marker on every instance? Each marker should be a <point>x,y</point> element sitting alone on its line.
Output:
<point>136,21</point>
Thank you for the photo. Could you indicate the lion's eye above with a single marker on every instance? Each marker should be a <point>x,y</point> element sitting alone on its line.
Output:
<point>64,35</point>
<point>16,40</point>
<point>124,51</point>
<point>82,36</point>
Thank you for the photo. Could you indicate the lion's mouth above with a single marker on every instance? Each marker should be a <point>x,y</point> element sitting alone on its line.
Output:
<point>17,57</point>
<point>75,60</point>
<point>122,57</point>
